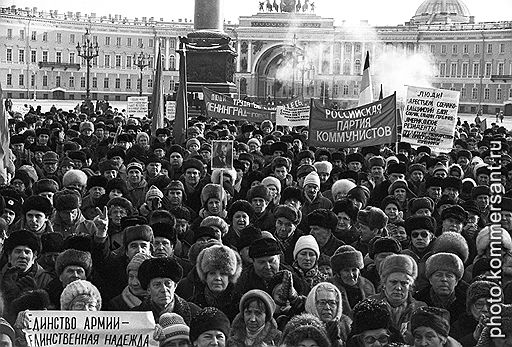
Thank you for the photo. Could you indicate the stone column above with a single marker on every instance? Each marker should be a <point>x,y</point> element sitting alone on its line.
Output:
<point>238,51</point>
<point>352,58</point>
<point>249,57</point>
<point>166,66</point>
<point>331,65</point>
<point>208,15</point>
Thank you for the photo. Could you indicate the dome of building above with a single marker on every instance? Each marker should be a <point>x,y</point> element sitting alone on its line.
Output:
<point>441,12</point>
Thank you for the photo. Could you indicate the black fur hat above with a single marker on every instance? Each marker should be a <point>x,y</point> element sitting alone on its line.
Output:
<point>166,267</point>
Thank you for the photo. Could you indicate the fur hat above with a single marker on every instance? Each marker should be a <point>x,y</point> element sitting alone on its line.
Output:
<point>138,232</point>
<point>384,245</point>
<point>215,177</point>
<point>370,314</point>
<point>209,318</point>
<point>304,170</point>
<point>444,262</point>
<point>306,242</point>
<point>270,305</point>
<point>136,261</point>
<point>456,212</point>
<point>37,203</point>
<point>483,239</point>
<point>74,178</point>
<point>247,236</point>
<point>37,299</point>
<point>398,263</point>
<point>121,202</point>
<point>272,181</point>
<point>241,205</point>
<point>166,267</point>
<point>347,206</point>
<point>342,187</point>
<point>67,200</point>
<point>73,257</point>
<point>323,218</point>
<point>281,161</point>
<point>212,191</point>
<point>399,183</point>
<point>376,161</point>
<point>452,182</point>
<point>373,217</point>
<point>306,153</point>
<point>390,199</point>
<point>346,257</point>
<point>359,193</point>
<point>197,247</point>
<point>354,157</point>
<point>193,163</point>
<point>292,193</point>
<point>431,317</point>
<point>221,258</point>
<point>417,167</point>
<point>86,126</point>
<point>312,178</point>
<point>451,242</point>
<point>170,327</point>
<point>23,238</point>
<point>416,204</point>
<point>259,191</point>
<point>480,190</point>
<point>420,222</point>
<point>217,222</point>
<point>75,289</point>
<point>433,182</point>
<point>45,185</point>
<point>97,181</point>
<point>323,166</point>
<point>305,327</point>
<point>396,168</point>
<point>478,290</point>
<point>288,212</point>
<point>264,247</point>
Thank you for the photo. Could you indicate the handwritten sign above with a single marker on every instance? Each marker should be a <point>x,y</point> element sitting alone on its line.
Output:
<point>89,328</point>
<point>137,106</point>
<point>367,125</point>
<point>170,110</point>
<point>293,114</point>
<point>430,117</point>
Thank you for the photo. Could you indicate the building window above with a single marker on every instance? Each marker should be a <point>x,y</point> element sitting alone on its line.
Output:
<point>510,93</point>
<point>498,94</point>
<point>465,69</point>
<point>502,48</point>
<point>336,89</point>
<point>442,69</point>
<point>21,55</point>
<point>348,48</point>
<point>487,93</point>
<point>140,43</point>
<point>82,82</point>
<point>95,82</point>
<point>57,81</point>
<point>150,43</point>
<point>59,38</point>
<point>150,62</point>
<point>489,48</point>
<point>453,69</point>
<point>71,57</point>
<point>9,79</point>
<point>443,49</point>
<point>71,82</point>
<point>9,34</point>
<point>71,96</point>
<point>465,48</point>
<point>129,41</point>
<point>22,34</point>
<point>128,83</point>
<point>150,83</point>
<point>172,43</point>
<point>71,38</point>
<point>488,69</point>
<point>107,60</point>
<point>32,80</point>
<point>21,80</point>
<point>501,69</point>
<point>138,83</point>
<point>432,49</point>
<point>45,56</point>
<point>172,63</point>
<point>95,61</point>
<point>477,48</point>
<point>454,49</point>
<point>118,83</point>
<point>356,89</point>
<point>357,48</point>
<point>45,81</point>
<point>33,37</point>
<point>118,41</point>
<point>45,37</point>
<point>129,62</point>
<point>95,39</point>
<point>345,89</point>
<point>357,66</point>
<point>337,67</point>
<point>105,83</point>
<point>33,56</point>
<point>463,93</point>
<point>474,93</point>
<point>9,54</point>
<point>118,61</point>
<point>476,69</point>
<point>58,57</point>
<point>107,41</point>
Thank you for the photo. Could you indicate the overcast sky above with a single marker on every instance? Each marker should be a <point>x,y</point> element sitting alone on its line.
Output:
<point>377,12</point>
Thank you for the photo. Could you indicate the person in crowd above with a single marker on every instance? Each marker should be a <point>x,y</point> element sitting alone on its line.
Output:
<point>68,218</point>
<point>346,212</point>
<point>286,232</point>
<point>421,230</point>
<point>171,331</point>
<point>321,224</point>
<point>259,197</point>
<point>306,254</point>
<point>305,330</point>
<point>96,188</point>
<point>209,327</point>
<point>240,215</point>
<point>430,326</point>
<point>371,222</point>
<point>80,295</point>
<point>36,213</point>
<point>313,198</point>
<point>380,248</point>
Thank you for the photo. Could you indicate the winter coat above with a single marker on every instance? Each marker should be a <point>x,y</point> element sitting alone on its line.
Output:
<point>21,224</point>
<point>457,307</point>
<point>137,193</point>
<point>331,246</point>
<point>365,289</point>
<point>269,336</point>
<point>463,328</point>
<point>54,290</point>
<point>311,277</point>
<point>223,301</point>
<point>189,286</point>
<point>287,246</point>
<point>89,207</point>
<point>265,221</point>
<point>194,195</point>
<point>185,309</point>
<point>309,206</point>
<point>79,226</point>
<point>123,302</point>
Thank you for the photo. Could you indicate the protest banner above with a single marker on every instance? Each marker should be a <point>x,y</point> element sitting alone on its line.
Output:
<point>137,106</point>
<point>366,125</point>
<point>170,110</point>
<point>224,107</point>
<point>89,328</point>
<point>222,154</point>
<point>430,117</point>
<point>293,114</point>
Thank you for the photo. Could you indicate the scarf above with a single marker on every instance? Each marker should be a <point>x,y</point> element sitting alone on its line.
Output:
<point>251,337</point>
<point>312,276</point>
<point>130,299</point>
<point>440,302</point>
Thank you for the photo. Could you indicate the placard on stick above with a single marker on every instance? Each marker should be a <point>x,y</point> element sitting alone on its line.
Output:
<point>222,154</point>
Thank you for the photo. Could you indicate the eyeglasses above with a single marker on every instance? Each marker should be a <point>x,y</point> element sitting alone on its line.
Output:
<point>372,339</point>
<point>480,305</point>
<point>324,303</point>
<point>415,234</point>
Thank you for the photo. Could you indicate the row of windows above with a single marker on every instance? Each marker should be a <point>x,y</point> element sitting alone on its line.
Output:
<point>486,93</point>
<point>72,39</point>
<point>466,47</point>
<point>466,72</point>
<point>71,82</point>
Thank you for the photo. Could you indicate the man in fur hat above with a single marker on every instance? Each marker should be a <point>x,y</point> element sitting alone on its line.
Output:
<point>36,214</point>
<point>68,218</point>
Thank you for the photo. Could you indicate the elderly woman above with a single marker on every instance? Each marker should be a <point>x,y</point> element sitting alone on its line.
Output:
<point>254,325</point>
<point>398,273</point>
<point>325,302</point>
<point>304,330</point>
<point>219,268</point>
<point>347,263</point>
<point>80,295</point>
<point>210,327</point>
<point>430,327</point>
<point>305,264</point>
<point>484,330</point>
<point>240,215</point>
<point>214,201</point>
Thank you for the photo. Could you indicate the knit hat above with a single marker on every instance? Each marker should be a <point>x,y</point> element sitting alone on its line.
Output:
<point>138,232</point>
<point>452,242</point>
<point>23,238</point>
<point>209,318</point>
<point>323,166</point>
<point>288,212</point>
<point>73,257</point>
<point>97,181</point>
<point>305,331</point>
<point>259,191</point>
<point>154,192</point>
<point>399,183</point>
<point>431,317</point>
<point>264,247</point>
<point>255,141</point>
<point>221,258</point>
<point>75,289</point>
<point>38,203</point>
<point>166,267</point>
<point>373,217</point>
<point>45,185</point>
<point>50,157</point>
<point>420,222</point>
<point>346,257</point>
<point>241,205</point>
<point>312,178</point>
<point>398,263</point>
<point>170,327</point>
<point>272,181</point>
<point>135,165</point>
<point>369,314</point>
<point>342,187</point>
<point>456,212</point>
<point>74,178</point>
<point>483,239</point>
<point>304,170</point>
<point>323,218</point>
<point>384,245</point>
<point>416,204</point>
<point>444,262</point>
<point>440,167</point>
<point>136,261</point>
<point>306,242</point>
<point>270,305</point>
<point>376,161</point>
<point>67,200</point>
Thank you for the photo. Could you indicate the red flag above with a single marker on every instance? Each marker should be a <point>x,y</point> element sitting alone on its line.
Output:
<point>366,93</point>
<point>181,120</point>
<point>157,105</point>
<point>4,141</point>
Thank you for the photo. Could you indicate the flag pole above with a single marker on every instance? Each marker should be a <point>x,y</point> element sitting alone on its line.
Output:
<point>181,119</point>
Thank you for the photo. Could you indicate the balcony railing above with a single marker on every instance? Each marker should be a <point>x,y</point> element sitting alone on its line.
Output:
<point>54,65</point>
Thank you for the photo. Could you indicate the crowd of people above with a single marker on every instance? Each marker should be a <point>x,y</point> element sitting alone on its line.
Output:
<point>294,246</point>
